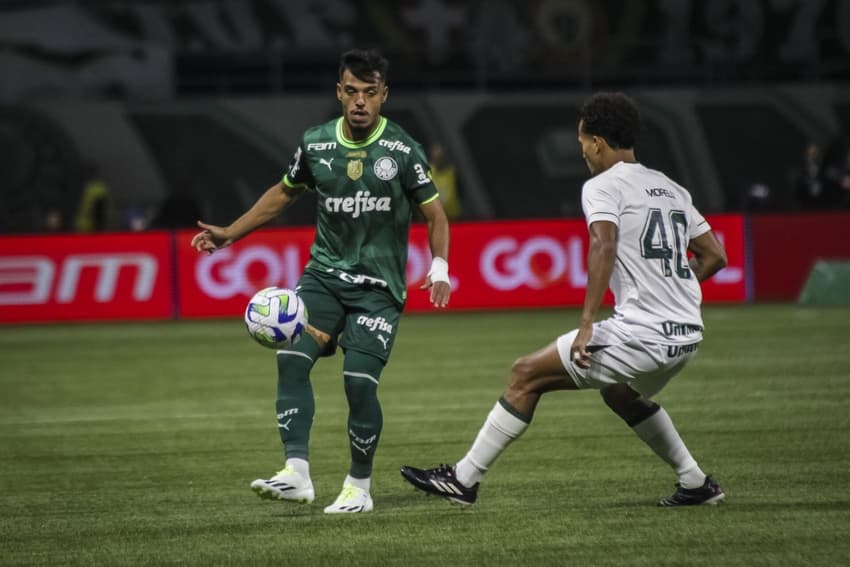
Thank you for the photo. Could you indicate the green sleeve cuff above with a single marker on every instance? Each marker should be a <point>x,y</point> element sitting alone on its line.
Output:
<point>428,200</point>
<point>294,186</point>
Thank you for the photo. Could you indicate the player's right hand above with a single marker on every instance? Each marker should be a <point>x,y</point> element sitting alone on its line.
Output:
<point>210,239</point>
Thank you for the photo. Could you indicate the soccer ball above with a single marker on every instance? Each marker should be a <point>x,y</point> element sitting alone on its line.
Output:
<point>276,317</point>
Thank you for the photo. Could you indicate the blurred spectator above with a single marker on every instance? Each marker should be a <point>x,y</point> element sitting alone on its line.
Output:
<point>756,198</point>
<point>844,181</point>
<point>834,168</point>
<point>444,176</point>
<point>135,218</point>
<point>809,185</point>
<point>53,221</point>
<point>93,213</point>
<point>820,184</point>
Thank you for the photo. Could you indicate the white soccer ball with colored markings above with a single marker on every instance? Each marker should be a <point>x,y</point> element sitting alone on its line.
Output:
<point>276,317</point>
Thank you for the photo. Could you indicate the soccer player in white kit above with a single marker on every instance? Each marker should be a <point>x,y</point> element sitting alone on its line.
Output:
<point>642,226</point>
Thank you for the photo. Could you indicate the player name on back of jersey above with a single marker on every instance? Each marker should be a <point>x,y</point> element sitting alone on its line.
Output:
<point>660,192</point>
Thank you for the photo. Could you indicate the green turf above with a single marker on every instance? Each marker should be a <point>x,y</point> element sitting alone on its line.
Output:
<point>134,444</point>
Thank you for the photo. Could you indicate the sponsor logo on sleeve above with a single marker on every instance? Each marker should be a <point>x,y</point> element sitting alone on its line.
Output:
<point>421,177</point>
<point>295,165</point>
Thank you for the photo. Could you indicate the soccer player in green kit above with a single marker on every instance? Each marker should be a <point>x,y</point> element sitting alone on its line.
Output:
<point>368,174</point>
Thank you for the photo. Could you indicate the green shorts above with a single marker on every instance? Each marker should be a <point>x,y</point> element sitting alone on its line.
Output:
<point>366,316</point>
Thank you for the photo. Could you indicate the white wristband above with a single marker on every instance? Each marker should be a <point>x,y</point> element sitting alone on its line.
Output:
<point>439,270</point>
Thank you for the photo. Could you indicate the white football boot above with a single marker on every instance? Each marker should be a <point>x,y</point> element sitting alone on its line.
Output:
<point>351,500</point>
<point>285,485</point>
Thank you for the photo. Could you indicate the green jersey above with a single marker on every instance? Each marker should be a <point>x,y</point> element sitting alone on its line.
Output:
<point>366,193</point>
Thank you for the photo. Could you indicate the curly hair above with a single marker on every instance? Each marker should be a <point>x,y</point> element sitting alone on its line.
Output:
<point>363,64</point>
<point>612,116</point>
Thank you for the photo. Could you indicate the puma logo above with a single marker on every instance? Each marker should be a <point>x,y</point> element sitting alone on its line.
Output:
<point>326,162</point>
<point>383,339</point>
<point>285,425</point>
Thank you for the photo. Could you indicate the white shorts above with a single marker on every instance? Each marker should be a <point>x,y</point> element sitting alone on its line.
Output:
<point>622,358</point>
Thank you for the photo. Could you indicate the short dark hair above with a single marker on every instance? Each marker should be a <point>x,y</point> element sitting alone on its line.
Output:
<point>364,63</point>
<point>612,116</point>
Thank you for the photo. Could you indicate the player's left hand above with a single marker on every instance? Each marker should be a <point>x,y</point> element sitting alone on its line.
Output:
<point>578,351</point>
<point>440,292</point>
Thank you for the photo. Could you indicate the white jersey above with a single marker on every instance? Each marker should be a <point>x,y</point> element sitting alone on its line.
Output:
<point>656,294</point>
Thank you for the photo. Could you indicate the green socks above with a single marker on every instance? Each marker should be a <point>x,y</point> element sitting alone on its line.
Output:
<point>365,419</point>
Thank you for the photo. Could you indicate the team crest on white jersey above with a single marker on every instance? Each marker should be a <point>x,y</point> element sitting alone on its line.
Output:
<point>386,168</point>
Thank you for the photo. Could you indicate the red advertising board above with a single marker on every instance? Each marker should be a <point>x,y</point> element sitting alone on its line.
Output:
<point>220,284</point>
<point>730,283</point>
<point>84,278</point>
<point>496,265</point>
<point>493,265</point>
<point>787,246</point>
<point>543,264</point>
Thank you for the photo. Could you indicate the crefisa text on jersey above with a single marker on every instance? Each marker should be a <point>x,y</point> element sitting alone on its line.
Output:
<point>373,323</point>
<point>362,201</point>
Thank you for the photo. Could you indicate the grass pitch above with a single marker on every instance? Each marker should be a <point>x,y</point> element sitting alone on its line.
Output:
<point>134,444</point>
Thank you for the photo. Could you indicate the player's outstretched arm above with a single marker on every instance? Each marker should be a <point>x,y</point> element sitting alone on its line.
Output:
<point>709,256</point>
<point>438,239</point>
<point>268,206</point>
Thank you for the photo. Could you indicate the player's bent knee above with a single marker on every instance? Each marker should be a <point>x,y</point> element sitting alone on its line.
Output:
<point>360,390</point>
<point>321,337</point>
<point>522,370</point>
<point>524,379</point>
<point>293,366</point>
<point>361,372</point>
<point>518,381</point>
<point>628,404</point>
<point>618,396</point>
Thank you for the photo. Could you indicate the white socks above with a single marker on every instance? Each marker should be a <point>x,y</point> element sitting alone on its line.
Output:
<point>500,428</point>
<point>660,434</point>
<point>364,483</point>
<point>301,466</point>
